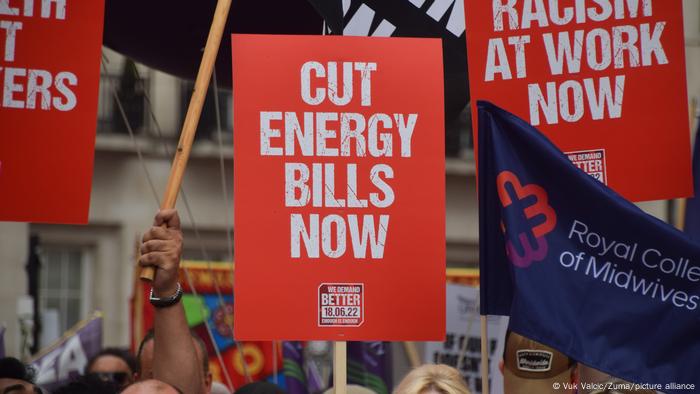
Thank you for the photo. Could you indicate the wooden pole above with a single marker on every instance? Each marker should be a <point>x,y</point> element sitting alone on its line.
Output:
<point>274,362</point>
<point>412,354</point>
<point>484,357</point>
<point>189,128</point>
<point>465,343</point>
<point>340,368</point>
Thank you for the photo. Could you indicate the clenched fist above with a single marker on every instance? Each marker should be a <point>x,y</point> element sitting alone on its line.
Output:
<point>161,248</point>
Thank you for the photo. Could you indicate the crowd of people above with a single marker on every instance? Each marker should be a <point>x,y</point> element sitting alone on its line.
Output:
<point>169,360</point>
<point>173,359</point>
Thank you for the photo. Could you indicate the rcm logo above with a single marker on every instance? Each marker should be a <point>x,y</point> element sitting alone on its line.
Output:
<point>537,218</point>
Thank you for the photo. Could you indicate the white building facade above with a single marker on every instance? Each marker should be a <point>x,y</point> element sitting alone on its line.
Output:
<point>91,267</point>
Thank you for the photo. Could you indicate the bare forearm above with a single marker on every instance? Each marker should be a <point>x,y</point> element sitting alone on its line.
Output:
<point>175,359</point>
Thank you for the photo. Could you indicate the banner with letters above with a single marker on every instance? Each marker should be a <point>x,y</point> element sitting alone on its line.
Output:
<point>68,357</point>
<point>579,268</point>
<point>49,79</point>
<point>340,184</point>
<point>604,80</point>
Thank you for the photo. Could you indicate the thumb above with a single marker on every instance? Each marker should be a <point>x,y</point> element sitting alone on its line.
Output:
<point>169,218</point>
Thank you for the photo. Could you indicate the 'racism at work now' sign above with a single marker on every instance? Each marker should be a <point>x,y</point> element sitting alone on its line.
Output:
<point>603,79</point>
<point>340,188</point>
<point>49,78</point>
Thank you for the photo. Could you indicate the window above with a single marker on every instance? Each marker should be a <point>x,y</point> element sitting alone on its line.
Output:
<point>105,108</point>
<point>206,129</point>
<point>120,75</point>
<point>63,283</point>
<point>211,243</point>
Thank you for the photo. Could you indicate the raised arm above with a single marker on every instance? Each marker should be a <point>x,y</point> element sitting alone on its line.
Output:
<point>175,359</point>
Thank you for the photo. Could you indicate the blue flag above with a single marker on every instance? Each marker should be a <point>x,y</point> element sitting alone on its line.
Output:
<point>579,268</point>
<point>692,208</point>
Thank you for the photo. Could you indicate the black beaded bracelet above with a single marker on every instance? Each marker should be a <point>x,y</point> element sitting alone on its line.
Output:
<point>165,302</point>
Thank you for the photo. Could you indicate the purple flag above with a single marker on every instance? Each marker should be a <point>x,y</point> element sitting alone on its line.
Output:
<point>295,378</point>
<point>369,365</point>
<point>67,358</point>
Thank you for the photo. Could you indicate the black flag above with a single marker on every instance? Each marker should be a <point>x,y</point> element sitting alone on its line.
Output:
<point>413,18</point>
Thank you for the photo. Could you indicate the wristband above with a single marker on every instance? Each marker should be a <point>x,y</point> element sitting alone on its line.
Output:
<point>164,302</point>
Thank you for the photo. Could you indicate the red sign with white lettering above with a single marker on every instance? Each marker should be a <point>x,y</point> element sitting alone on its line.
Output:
<point>49,74</point>
<point>339,180</point>
<point>605,77</point>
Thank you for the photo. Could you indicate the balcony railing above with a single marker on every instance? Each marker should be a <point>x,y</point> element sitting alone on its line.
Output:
<point>133,101</point>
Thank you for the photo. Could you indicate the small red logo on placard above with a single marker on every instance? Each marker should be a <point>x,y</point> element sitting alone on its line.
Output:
<point>341,304</point>
<point>592,162</point>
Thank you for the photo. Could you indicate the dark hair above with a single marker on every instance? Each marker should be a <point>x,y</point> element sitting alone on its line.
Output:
<point>150,335</point>
<point>114,352</point>
<point>12,368</point>
<point>203,348</point>
<point>88,385</point>
<point>260,388</point>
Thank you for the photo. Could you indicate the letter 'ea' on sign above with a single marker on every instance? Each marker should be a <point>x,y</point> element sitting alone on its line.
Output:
<point>339,179</point>
<point>605,80</point>
<point>49,81</point>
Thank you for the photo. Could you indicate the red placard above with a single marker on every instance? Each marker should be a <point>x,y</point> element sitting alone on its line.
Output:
<point>339,179</point>
<point>603,77</point>
<point>49,73</point>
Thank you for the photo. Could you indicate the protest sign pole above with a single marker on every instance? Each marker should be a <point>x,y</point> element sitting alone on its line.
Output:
<point>412,354</point>
<point>194,110</point>
<point>340,367</point>
<point>484,357</point>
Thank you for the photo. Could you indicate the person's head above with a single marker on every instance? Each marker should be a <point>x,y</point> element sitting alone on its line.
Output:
<point>151,386</point>
<point>531,367</point>
<point>114,365</point>
<point>89,384</point>
<point>259,388</point>
<point>432,379</point>
<point>145,358</point>
<point>16,378</point>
